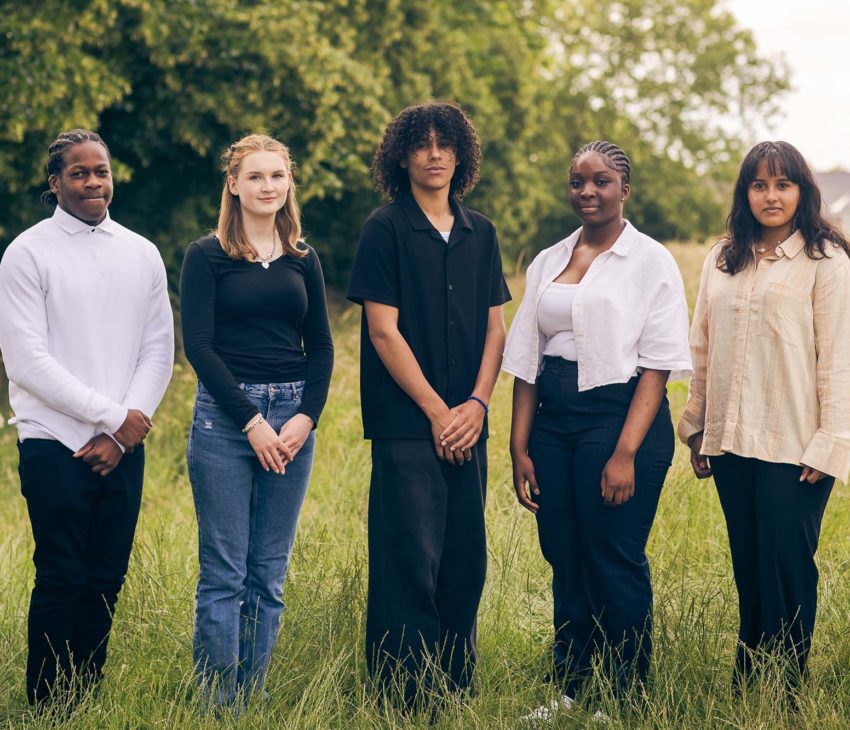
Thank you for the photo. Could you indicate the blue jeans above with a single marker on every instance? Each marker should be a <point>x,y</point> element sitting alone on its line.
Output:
<point>246,527</point>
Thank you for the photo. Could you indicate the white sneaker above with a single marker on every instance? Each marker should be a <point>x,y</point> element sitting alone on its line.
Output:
<point>601,718</point>
<point>546,713</point>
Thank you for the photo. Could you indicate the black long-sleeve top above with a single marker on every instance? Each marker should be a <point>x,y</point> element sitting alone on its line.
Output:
<point>244,323</point>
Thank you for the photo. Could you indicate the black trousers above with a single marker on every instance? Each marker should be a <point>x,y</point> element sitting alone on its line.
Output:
<point>83,526</point>
<point>427,562</point>
<point>600,572</point>
<point>774,523</point>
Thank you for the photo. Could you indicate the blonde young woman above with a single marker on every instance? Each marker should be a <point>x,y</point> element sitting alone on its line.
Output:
<point>255,328</point>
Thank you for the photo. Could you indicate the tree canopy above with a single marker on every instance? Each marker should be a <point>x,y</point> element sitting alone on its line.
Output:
<point>170,85</point>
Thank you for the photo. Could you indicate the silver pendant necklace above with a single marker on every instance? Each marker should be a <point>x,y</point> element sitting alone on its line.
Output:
<point>265,260</point>
<point>764,248</point>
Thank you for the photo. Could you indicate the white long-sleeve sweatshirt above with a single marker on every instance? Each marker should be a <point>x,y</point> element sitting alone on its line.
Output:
<point>86,328</point>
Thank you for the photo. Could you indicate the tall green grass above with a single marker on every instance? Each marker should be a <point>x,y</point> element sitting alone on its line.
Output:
<point>317,679</point>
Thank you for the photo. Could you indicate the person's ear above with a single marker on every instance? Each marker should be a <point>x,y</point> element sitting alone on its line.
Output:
<point>231,185</point>
<point>627,191</point>
<point>53,183</point>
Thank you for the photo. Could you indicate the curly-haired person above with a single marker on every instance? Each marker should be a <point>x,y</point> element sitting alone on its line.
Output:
<point>428,273</point>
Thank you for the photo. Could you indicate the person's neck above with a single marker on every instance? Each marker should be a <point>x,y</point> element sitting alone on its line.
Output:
<point>259,231</point>
<point>604,236</point>
<point>434,203</point>
<point>774,236</point>
<point>87,222</point>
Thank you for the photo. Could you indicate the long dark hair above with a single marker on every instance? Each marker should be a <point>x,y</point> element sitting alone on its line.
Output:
<point>742,228</point>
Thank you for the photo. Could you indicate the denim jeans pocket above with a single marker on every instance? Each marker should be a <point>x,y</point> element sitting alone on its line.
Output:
<point>203,396</point>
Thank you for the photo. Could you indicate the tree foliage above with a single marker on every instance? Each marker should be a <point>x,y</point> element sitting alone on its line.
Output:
<point>169,85</point>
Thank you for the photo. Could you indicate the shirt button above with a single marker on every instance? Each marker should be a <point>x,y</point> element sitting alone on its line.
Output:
<point>450,287</point>
<point>451,322</point>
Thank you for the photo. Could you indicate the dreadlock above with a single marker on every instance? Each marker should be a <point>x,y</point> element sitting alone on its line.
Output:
<point>56,155</point>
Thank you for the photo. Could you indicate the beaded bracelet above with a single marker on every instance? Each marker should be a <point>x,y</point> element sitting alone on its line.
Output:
<point>479,401</point>
<point>253,422</point>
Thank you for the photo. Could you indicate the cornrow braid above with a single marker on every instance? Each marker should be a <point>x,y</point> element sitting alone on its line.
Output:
<point>56,155</point>
<point>615,158</point>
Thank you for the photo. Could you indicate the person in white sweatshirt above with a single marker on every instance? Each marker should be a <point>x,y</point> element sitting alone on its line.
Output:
<point>86,333</point>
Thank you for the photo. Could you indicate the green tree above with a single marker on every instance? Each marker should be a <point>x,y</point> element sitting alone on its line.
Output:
<point>169,85</point>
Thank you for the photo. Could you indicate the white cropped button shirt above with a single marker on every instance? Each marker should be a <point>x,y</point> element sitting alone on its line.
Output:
<point>629,313</point>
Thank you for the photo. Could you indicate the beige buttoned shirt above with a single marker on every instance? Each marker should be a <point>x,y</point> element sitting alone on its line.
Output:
<point>771,353</point>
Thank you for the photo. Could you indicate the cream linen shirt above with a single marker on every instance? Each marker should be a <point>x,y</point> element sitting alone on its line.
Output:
<point>629,313</point>
<point>771,350</point>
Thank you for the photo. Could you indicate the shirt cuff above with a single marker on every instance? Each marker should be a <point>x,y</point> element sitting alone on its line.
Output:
<point>829,454</point>
<point>123,450</point>
<point>690,423</point>
<point>115,418</point>
<point>679,369</point>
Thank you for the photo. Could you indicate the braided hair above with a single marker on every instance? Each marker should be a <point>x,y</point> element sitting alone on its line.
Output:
<point>56,155</point>
<point>614,157</point>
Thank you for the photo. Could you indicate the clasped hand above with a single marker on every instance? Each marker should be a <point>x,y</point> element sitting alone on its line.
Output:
<point>456,431</point>
<point>274,450</point>
<point>134,429</point>
<point>103,453</point>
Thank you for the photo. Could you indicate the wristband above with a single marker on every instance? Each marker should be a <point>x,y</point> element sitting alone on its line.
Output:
<point>253,422</point>
<point>480,402</point>
<point>693,438</point>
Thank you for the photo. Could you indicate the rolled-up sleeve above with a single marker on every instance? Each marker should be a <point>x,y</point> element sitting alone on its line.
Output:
<point>523,338</point>
<point>829,449</point>
<point>663,342</point>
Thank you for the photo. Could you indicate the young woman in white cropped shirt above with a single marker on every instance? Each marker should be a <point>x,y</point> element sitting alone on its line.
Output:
<point>601,327</point>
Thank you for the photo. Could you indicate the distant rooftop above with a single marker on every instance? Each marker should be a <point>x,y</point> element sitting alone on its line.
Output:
<point>835,188</point>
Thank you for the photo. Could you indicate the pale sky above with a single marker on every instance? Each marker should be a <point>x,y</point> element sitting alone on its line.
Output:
<point>814,39</point>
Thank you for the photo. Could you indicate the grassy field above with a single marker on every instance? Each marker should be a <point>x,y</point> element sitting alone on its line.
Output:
<point>317,675</point>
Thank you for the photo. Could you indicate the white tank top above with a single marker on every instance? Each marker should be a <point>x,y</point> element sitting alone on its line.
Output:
<point>555,320</point>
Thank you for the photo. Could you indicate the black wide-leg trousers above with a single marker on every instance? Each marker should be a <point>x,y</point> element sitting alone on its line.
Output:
<point>83,526</point>
<point>600,571</point>
<point>427,563</point>
<point>774,523</point>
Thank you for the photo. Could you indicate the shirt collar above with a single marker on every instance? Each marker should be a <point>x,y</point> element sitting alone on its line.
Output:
<point>420,221</point>
<point>72,225</point>
<point>792,245</point>
<point>621,246</point>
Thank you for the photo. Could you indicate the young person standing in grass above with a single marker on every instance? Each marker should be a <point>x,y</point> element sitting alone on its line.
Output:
<point>602,325</point>
<point>768,411</point>
<point>256,330</point>
<point>428,273</point>
<point>86,332</point>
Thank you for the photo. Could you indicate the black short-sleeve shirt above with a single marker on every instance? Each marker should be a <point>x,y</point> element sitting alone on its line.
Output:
<point>443,293</point>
